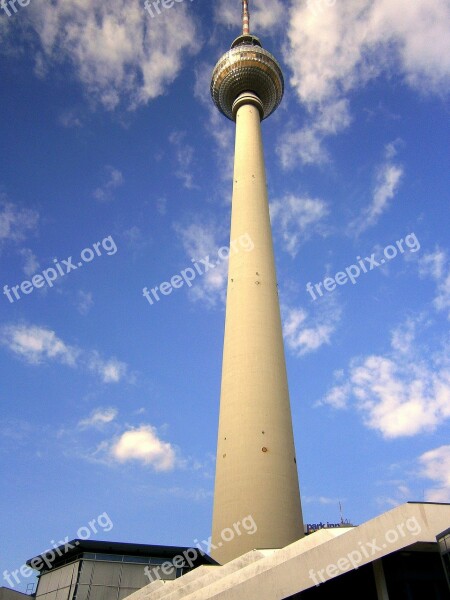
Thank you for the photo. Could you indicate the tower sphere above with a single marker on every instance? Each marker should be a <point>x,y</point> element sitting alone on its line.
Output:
<point>247,67</point>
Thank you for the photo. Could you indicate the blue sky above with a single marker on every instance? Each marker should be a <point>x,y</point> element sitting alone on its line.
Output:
<point>114,155</point>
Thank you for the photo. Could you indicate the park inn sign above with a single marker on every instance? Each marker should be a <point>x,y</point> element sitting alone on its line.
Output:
<point>310,527</point>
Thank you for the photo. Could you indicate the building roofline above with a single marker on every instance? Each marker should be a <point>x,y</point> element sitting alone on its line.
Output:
<point>76,546</point>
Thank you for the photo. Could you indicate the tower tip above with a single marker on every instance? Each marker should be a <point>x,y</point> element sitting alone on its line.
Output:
<point>245,18</point>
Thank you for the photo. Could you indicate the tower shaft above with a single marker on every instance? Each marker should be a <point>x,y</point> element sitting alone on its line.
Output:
<point>256,472</point>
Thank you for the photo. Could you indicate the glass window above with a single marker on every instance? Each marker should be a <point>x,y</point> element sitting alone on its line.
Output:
<point>158,561</point>
<point>106,573</point>
<point>82,592</point>
<point>136,559</point>
<point>102,592</point>
<point>67,573</point>
<point>63,593</point>
<point>133,576</point>
<point>54,577</point>
<point>110,557</point>
<point>87,568</point>
<point>43,584</point>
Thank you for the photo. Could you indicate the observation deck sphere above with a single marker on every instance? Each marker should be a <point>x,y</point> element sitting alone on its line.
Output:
<point>247,67</point>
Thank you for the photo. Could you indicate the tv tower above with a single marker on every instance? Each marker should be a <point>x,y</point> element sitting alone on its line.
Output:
<point>256,470</point>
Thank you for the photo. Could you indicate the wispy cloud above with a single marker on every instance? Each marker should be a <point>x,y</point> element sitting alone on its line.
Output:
<point>305,332</point>
<point>16,223</point>
<point>184,154</point>
<point>297,218</point>
<point>333,49</point>
<point>31,263</point>
<point>387,181</point>
<point>98,418</point>
<point>116,55</point>
<point>402,393</point>
<point>200,240</point>
<point>114,179</point>
<point>435,466</point>
<point>37,345</point>
<point>437,266</point>
<point>110,370</point>
<point>70,119</point>
<point>84,302</point>
<point>306,145</point>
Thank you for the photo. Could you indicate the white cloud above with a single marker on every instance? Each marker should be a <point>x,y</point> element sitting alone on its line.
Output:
<point>388,178</point>
<point>391,149</point>
<point>117,51</point>
<point>436,265</point>
<point>305,333</point>
<point>99,417</point>
<point>435,465</point>
<point>37,344</point>
<point>341,47</point>
<point>297,218</point>
<point>334,49</point>
<point>403,393</point>
<point>16,223</point>
<point>110,370</point>
<point>114,180</point>
<point>306,145</point>
<point>142,444</point>
<point>200,240</point>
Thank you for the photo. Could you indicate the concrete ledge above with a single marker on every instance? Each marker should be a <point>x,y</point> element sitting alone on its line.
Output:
<point>196,579</point>
<point>329,553</point>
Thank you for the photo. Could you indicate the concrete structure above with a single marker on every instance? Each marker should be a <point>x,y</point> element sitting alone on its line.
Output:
<point>256,471</point>
<point>95,570</point>
<point>392,557</point>
<point>8,594</point>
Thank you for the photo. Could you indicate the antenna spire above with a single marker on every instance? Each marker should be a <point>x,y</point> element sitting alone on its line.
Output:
<point>245,18</point>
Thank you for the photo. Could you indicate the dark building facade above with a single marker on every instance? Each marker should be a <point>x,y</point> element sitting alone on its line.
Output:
<point>444,548</point>
<point>94,570</point>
